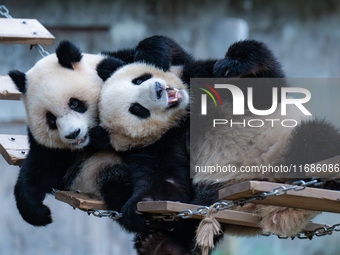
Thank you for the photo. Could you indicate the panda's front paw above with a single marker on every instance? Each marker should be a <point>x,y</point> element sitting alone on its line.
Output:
<point>283,220</point>
<point>133,220</point>
<point>229,68</point>
<point>100,138</point>
<point>39,216</point>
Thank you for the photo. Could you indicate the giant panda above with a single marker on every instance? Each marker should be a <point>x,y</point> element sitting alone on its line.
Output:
<point>311,141</point>
<point>144,111</point>
<point>60,94</point>
<point>143,108</point>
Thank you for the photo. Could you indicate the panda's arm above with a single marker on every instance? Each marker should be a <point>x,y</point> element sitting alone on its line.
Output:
<point>248,58</point>
<point>30,193</point>
<point>161,52</point>
<point>115,185</point>
<point>126,55</point>
<point>32,185</point>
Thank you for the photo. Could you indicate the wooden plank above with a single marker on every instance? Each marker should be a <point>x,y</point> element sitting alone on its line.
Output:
<point>309,198</point>
<point>14,148</point>
<point>84,202</point>
<point>226,216</point>
<point>8,89</point>
<point>80,201</point>
<point>24,31</point>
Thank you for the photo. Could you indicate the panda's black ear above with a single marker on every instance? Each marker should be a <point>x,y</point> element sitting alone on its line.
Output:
<point>19,78</point>
<point>108,66</point>
<point>68,54</point>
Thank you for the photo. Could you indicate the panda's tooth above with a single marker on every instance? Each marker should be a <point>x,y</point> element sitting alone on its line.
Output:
<point>176,90</point>
<point>167,87</point>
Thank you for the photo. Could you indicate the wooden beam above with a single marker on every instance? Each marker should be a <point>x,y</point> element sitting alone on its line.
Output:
<point>8,89</point>
<point>24,31</point>
<point>80,201</point>
<point>84,202</point>
<point>309,198</point>
<point>226,216</point>
<point>14,148</point>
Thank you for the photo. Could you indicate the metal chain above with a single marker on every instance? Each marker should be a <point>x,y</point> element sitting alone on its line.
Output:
<point>224,205</point>
<point>5,12</point>
<point>322,231</point>
<point>113,215</point>
<point>278,191</point>
<point>41,50</point>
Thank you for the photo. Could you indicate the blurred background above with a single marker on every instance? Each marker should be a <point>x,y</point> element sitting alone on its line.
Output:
<point>305,36</point>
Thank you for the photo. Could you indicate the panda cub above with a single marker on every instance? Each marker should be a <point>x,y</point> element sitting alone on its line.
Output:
<point>61,94</point>
<point>144,111</point>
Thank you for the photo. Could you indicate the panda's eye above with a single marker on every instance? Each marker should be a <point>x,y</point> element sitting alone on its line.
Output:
<point>51,120</point>
<point>139,80</point>
<point>139,111</point>
<point>77,105</point>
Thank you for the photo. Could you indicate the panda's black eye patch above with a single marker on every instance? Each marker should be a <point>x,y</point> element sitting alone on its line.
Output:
<point>77,105</point>
<point>51,120</point>
<point>139,80</point>
<point>139,111</point>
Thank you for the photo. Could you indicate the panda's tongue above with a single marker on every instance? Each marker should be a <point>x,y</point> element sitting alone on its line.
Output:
<point>173,96</point>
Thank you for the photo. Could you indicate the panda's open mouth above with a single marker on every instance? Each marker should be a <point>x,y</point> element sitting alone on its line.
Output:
<point>80,141</point>
<point>174,97</point>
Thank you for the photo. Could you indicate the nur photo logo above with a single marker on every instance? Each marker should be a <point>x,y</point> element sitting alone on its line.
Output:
<point>246,100</point>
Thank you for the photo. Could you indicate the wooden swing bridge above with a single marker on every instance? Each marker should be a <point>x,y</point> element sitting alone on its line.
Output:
<point>14,149</point>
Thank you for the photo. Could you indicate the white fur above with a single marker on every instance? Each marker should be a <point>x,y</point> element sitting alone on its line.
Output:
<point>119,93</point>
<point>87,179</point>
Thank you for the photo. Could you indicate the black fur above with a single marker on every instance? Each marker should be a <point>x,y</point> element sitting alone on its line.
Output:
<point>99,138</point>
<point>249,58</point>
<point>162,52</point>
<point>108,66</point>
<point>42,170</point>
<point>68,54</point>
<point>127,55</point>
<point>115,183</point>
<point>19,79</point>
<point>313,141</point>
<point>158,172</point>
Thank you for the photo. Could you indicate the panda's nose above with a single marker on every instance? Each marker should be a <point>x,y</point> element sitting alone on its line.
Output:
<point>73,135</point>
<point>159,90</point>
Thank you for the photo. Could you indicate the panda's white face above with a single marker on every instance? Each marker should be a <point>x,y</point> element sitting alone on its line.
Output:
<point>139,103</point>
<point>61,103</point>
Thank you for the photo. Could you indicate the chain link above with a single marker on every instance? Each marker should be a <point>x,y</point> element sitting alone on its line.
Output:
<point>5,12</point>
<point>113,215</point>
<point>322,231</point>
<point>41,50</point>
<point>278,191</point>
